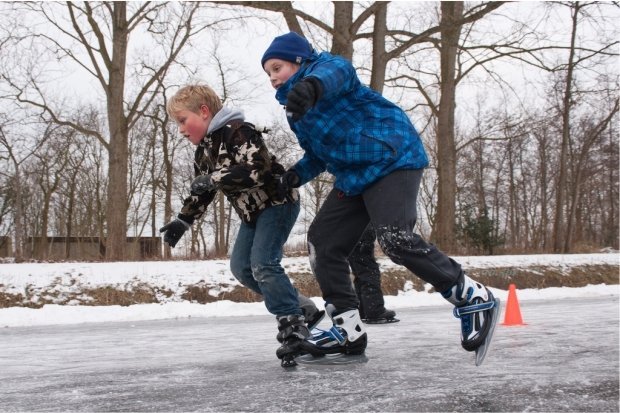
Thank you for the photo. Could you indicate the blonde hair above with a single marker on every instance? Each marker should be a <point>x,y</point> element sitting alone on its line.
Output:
<point>192,97</point>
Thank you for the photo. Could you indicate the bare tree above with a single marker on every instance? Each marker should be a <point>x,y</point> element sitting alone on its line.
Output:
<point>558,228</point>
<point>507,166</point>
<point>19,149</point>
<point>70,190</point>
<point>162,180</point>
<point>346,30</point>
<point>592,133</point>
<point>102,32</point>
<point>46,175</point>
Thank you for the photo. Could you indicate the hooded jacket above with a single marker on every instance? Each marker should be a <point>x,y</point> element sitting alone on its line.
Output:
<point>352,131</point>
<point>241,166</point>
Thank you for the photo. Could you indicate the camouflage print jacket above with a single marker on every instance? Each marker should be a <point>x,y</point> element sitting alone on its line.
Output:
<point>241,167</point>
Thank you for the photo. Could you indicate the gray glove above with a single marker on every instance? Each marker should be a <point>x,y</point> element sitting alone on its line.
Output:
<point>174,230</point>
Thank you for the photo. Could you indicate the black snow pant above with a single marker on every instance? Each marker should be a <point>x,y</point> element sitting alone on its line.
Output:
<point>390,206</point>
<point>367,276</point>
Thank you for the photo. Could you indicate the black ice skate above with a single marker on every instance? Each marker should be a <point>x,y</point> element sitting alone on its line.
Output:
<point>346,336</point>
<point>384,317</point>
<point>292,331</point>
<point>313,320</point>
<point>478,311</point>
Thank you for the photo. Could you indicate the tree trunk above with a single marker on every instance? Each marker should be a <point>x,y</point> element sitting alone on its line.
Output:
<point>558,229</point>
<point>444,231</point>
<point>19,215</point>
<point>153,206</point>
<point>116,211</point>
<point>513,214</point>
<point>611,233</point>
<point>379,61</point>
<point>70,206</point>
<point>342,43</point>
<point>167,155</point>
<point>45,211</point>
<point>543,156</point>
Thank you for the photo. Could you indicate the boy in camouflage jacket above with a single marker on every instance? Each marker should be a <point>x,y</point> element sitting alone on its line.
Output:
<point>232,157</point>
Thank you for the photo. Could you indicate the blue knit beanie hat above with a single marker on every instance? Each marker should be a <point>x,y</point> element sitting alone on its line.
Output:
<point>290,47</point>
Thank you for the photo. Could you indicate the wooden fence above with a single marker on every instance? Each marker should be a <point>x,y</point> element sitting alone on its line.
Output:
<point>85,248</point>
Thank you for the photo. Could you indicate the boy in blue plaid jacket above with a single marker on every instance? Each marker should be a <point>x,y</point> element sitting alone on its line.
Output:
<point>377,158</point>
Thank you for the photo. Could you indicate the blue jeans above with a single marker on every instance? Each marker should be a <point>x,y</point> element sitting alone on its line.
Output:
<point>256,256</point>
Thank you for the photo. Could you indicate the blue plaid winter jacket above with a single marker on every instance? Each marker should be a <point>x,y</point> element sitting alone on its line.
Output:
<point>352,132</point>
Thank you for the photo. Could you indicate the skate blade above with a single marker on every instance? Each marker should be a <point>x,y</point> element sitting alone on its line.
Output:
<point>288,362</point>
<point>482,351</point>
<point>380,321</point>
<point>331,359</point>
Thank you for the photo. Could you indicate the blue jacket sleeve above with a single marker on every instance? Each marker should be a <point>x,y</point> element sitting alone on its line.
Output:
<point>336,74</point>
<point>308,167</point>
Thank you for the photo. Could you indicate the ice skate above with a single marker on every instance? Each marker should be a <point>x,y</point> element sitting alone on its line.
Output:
<point>346,336</point>
<point>313,320</point>
<point>478,311</point>
<point>292,331</point>
<point>384,317</point>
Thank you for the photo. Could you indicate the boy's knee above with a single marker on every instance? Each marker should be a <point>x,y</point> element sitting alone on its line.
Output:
<point>263,272</point>
<point>236,269</point>
<point>320,236</point>
<point>394,241</point>
<point>244,278</point>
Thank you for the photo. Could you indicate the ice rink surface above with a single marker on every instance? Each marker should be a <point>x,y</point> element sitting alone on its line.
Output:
<point>565,359</point>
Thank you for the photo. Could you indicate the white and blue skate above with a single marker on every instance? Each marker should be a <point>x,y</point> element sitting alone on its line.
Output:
<point>478,311</point>
<point>346,336</point>
<point>333,341</point>
<point>470,317</point>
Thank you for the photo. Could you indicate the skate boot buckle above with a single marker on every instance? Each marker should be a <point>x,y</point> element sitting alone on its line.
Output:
<point>335,333</point>
<point>474,308</point>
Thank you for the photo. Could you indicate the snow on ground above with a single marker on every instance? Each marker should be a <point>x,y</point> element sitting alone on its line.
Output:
<point>176,275</point>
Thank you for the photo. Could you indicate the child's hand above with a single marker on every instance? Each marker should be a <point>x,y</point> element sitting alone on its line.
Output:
<point>174,231</point>
<point>287,181</point>
<point>303,97</point>
<point>202,184</point>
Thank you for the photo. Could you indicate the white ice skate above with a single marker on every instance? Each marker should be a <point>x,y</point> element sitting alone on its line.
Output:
<point>478,311</point>
<point>347,335</point>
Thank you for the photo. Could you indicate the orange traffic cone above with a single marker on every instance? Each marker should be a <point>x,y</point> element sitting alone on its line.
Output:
<point>513,312</point>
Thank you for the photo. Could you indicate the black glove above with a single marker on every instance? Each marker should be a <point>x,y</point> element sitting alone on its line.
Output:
<point>202,184</point>
<point>174,230</point>
<point>303,97</point>
<point>287,181</point>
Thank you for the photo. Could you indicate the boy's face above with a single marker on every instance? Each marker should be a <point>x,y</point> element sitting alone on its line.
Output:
<point>279,71</point>
<point>193,125</point>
